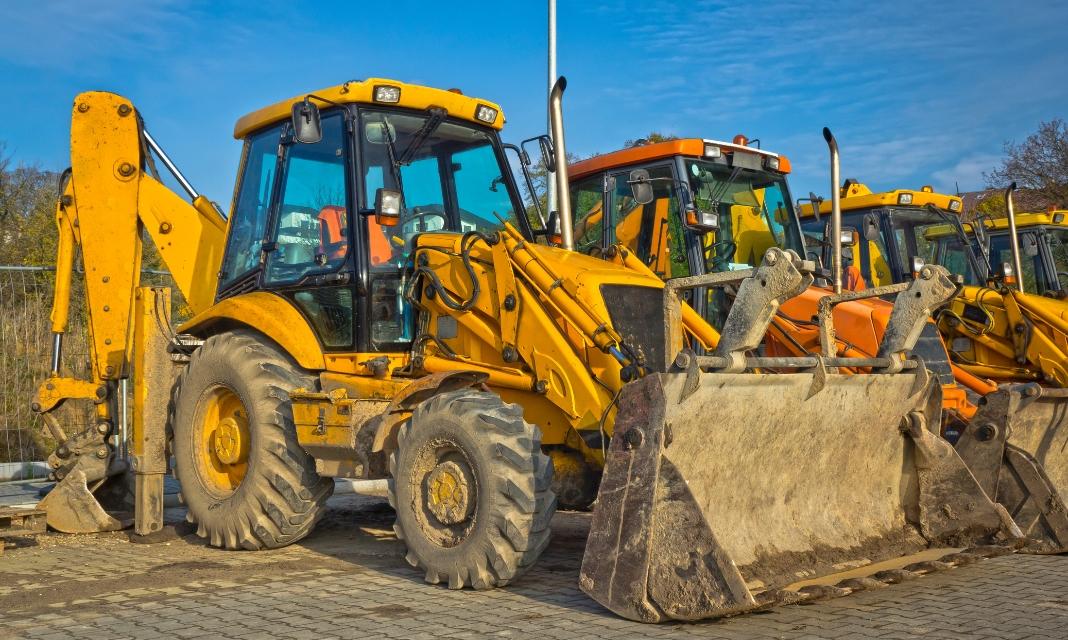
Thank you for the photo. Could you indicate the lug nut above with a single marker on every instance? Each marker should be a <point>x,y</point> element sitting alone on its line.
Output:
<point>164,227</point>
<point>102,452</point>
<point>82,107</point>
<point>126,169</point>
<point>124,110</point>
<point>102,428</point>
<point>541,386</point>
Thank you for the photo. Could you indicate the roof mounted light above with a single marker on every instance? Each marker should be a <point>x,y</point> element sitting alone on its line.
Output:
<point>741,140</point>
<point>1058,218</point>
<point>927,188</point>
<point>485,114</point>
<point>955,205</point>
<point>771,162</point>
<point>387,93</point>
<point>904,198</point>
<point>713,151</point>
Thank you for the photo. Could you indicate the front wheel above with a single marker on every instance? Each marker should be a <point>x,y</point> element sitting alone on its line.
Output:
<point>471,487</point>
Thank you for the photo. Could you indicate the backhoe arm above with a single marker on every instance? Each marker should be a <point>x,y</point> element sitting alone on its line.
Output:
<point>108,198</point>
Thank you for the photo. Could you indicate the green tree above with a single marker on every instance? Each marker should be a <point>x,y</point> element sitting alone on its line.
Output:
<point>27,204</point>
<point>650,138</point>
<point>1040,163</point>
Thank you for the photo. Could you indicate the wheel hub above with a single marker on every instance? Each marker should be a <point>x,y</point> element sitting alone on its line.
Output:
<point>230,445</point>
<point>449,486</point>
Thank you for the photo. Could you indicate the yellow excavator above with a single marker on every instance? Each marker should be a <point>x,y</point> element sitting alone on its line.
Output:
<point>714,207</point>
<point>376,305</point>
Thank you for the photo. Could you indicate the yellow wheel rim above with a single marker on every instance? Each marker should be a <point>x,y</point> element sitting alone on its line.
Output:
<point>222,440</point>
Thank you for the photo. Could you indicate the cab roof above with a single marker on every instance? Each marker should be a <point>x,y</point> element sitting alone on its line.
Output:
<point>692,147</point>
<point>412,96</point>
<point>856,195</point>
<point>1052,218</point>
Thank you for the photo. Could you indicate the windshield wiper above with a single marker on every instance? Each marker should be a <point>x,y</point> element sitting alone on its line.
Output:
<point>437,116</point>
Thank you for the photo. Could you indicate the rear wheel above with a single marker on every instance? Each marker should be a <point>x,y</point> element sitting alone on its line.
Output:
<point>245,479</point>
<point>471,487</point>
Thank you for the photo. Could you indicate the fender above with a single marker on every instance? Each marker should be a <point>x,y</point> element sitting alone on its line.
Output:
<point>271,315</point>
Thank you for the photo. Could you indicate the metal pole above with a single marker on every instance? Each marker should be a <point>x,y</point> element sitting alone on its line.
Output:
<point>556,121</point>
<point>836,212</point>
<point>1014,240</point>
<point>552,81</point>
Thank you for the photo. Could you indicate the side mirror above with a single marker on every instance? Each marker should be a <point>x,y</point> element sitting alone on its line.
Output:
<point>1029,244</point>
<point>548,153</point>
<point>388,207</point>
<point>640,187</point>
<point>307,129</point>
<point>871,228</point>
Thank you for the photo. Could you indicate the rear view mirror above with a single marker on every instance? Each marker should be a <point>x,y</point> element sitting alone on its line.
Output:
<point>548,153</point>
<point>1029,244</point>
<point>388,207</point>
<point>640,187</point>
<point>871,228</point>
<point>379,132</point>
<point>307,129</point>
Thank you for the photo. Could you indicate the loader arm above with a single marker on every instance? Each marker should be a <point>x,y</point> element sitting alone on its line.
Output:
<point>108,200</point>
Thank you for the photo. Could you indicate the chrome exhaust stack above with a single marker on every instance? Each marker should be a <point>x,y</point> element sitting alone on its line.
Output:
<point>563,197</point>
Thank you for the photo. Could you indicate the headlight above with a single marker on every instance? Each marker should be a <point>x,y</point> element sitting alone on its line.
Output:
<point>1058,218</point>
<point>387,93</point>
<point>904,198</point>
<point>712,151</point>
<point>485,114</point>
<point>772,163</point>
<point>954,205</point>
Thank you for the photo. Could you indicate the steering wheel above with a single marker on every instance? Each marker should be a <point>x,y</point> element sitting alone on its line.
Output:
<point>426,211</point>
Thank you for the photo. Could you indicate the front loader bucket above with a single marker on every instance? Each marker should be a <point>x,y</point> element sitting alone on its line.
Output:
<point>719,493</point>
<point>1017,448</point>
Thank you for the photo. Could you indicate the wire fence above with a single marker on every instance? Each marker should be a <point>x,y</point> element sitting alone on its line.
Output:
<point>25,356</point>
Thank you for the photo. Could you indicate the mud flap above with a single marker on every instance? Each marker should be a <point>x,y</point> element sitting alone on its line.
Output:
<point>1017,447</point>
<point>72,508</point>
<point>710,506</point>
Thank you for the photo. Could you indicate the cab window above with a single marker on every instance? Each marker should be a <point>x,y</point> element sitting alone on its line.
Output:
<point>652,231</point>
<point>311,226</point>
<point>248,223</point>
<point>587,210</point>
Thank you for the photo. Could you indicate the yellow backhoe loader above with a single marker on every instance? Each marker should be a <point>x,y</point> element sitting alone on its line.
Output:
<point>713,207</point>
<point>1008,348</point>
<point>376,305</point>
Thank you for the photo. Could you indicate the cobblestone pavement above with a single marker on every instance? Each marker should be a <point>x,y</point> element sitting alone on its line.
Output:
<point>349,580</point>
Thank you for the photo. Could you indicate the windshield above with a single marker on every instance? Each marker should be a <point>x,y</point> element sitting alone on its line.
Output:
<point>450,172</point>
<point>755,213</point>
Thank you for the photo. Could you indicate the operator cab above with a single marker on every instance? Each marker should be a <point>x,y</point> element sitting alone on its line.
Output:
<point>891,232</point>
<point>686,207</point>
<point>333,190</point>
<point>1043,241</point>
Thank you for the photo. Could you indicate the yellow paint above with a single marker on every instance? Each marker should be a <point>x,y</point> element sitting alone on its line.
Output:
<point>412,97</point>
<point>269,314</point>
<point>222,439</point>
<point>858,196</point>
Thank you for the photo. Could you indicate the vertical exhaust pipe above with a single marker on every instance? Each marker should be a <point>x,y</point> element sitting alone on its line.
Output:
<point>1014,240</point>
<point>836,212</point>
<point>563,192</point>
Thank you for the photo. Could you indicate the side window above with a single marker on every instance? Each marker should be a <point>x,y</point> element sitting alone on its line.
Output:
<point>481,192</point>
<point>311,231</point>
<point>248,222</point>
<point>652,231</point>
<point>588,213</point>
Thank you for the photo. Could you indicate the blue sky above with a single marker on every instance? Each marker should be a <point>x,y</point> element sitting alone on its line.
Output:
<point>917,93</point>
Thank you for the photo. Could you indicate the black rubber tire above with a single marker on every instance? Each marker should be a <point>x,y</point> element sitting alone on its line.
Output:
<point>280,498</point>
<point>508,526</point>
